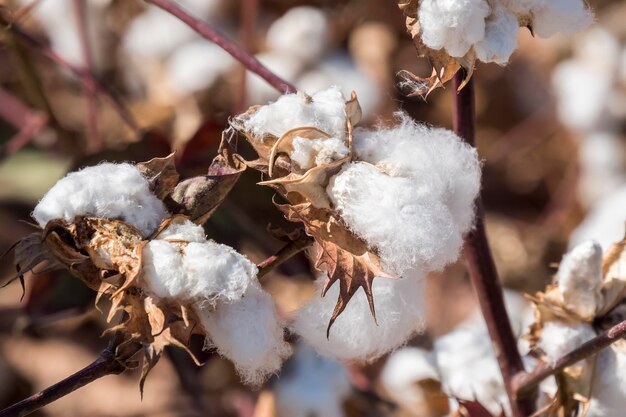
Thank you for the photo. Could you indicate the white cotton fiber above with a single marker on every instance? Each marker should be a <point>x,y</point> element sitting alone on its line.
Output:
<point>202,272</point>
<point>354,335</point>
<point>324,110</point>
<point>413,197</point>
<point>452,24</point>
<point>404,369</point>
<point>301,32</point>
<point>561,16</point>
<point>311,385</point>
<point>197,66</point>
<point>184,230</point>
<point>247,332</point>
<point>500,36</point>
<point>116,191</point>
<point>580,278</point>
<point>608,396</point>
<point>558,338</point>
<point>308,153</point>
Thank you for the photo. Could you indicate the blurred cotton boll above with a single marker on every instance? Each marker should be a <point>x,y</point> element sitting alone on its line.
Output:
<point>500,36</point>
<point>311,385</point>
<point>355,335</point>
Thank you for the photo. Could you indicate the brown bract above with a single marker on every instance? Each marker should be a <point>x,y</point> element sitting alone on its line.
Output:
<point>346,258</point>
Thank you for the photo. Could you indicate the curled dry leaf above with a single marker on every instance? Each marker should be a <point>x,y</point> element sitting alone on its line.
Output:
<point>161,174</point>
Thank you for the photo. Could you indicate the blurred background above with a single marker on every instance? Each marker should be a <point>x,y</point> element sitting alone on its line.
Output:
<point>91,80</point>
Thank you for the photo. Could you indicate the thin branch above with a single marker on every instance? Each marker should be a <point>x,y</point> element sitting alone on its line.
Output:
<point>89,86</point>
<point>82,73</point>
<point>27,121</point>
<point>288,251</point>
<point>525,383</point>
<point>482,269</point>
<point>207,32</point>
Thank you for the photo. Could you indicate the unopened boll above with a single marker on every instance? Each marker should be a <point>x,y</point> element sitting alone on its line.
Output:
<point>247,332</point>
<point>115,191</point>
<point>411,195</point>
<point>355,335</point>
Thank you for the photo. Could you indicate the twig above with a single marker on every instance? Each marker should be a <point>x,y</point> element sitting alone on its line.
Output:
<point>289,250</point>
<point>82,73</point>
<point>89,86</point>
<point>482,269</point>
<point>27,121</point>
<point>207,32</point>
<point>525,383</point>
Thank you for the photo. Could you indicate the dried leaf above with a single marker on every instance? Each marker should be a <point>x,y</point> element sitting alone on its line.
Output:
<point>161,174</point>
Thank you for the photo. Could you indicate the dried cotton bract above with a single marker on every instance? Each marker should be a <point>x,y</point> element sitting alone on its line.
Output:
<point>115,191</point>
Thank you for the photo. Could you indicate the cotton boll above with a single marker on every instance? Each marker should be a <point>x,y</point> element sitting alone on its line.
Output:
<point>404,369</point>
<point>116,191</point>
<point>216,272</point>
<point>308,153</point>
<point>301,33</point>
<point>247,332</point>
<point>413,197</point>
<point>452,24</point>
<point>162,269</point>
<point>500,36</point>
<point>197,66</point>
<point>580,277</point>
<point>325,110</point>
<point>561,16</point>
<point>185,230</point>
<point>606,221</point>
<point>355,335</point>
<point>311,385</point>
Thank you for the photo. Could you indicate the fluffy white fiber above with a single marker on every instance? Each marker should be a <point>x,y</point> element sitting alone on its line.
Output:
<point>413,196</point>
<point>116,191</point>
<point>559,338</point>
<point>402,372</point>
<point>608,397</point>
<point>453,25</point>
<point>247,332</point>
<point>500,36</point>
<point>185,230</point>
<point>301,32</point>
<point>199,271</point>
<point>561,16</point>
<point>325,111</point>
<point>311,385</point>
<point>355,335</point>
<point>579,279</point>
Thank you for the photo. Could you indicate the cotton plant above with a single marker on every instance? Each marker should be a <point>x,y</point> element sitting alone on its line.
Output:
<point>457,33</point>
<point>385,206</point>
<point>134,234</point>
<point>585,298</point>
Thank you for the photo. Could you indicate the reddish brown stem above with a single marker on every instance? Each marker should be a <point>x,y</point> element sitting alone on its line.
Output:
<point>525,383</point>
<point>482,269</point>
<point>89,86</point>
<point>207,32</point>
<point>27,121</point>
<point>81,72</point>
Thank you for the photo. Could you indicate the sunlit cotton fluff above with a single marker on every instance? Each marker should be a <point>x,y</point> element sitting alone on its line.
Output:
<point>197,271</point>
<point>453,25</point>
<point>500,36</point>
<point>247,332</point>
<point>116,191</point>
<point>311,385</point>
<point>580,278</point>
<point>412,196</point>
<point>355,335</point>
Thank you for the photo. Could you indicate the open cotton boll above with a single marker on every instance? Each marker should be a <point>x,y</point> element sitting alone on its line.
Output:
<point>203,272</point>
<point>311,385</point>
<point>324,110</point>
<point>355,335</point>
<point>116,191</point>
<point>452,24</point>
<point>404,369</point>
<point>186,231</point>
<point>561,16</point>
<point>247,332</point>
<point>500,36</point>
<point>197,66</point>
<point>301,32</point>
<point>417,199</point>
<point>580,278</point>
